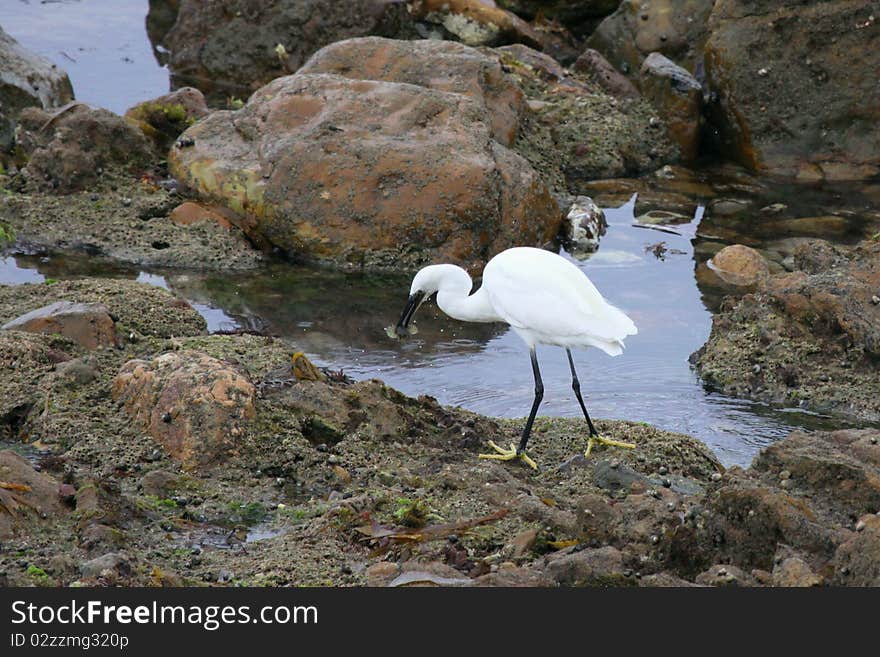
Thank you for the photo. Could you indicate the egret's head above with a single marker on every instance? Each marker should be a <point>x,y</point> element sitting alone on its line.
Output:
<point>428,281</point>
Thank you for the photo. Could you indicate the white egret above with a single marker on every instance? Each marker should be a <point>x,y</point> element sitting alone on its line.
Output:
<point>546,299</point>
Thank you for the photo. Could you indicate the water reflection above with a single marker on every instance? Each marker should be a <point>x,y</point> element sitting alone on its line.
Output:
<point>102,44</point>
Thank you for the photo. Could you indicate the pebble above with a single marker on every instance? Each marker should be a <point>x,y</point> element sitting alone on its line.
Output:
<point>860,525</point>
<point>756,369</point>
<point>655,539</point>
<point>332,459</point>
<point>126,201</point>
<point>716,476</point>
<point>663,470</point>
<point>873,441</point>
<point>667,483</point>
<point>785,474</point>
<point>670,506</point>
<point>788,483</point>
<point>875,300</point>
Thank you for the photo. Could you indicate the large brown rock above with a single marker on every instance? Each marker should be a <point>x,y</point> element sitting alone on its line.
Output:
<point>26,80</point>
<point>675,28</point>
<point>739,265</point>
<point>230,47</point>
<point>796,86</point>
<point>441,65</point>
<point>68,149</point>
<point>196,406</point>
<point>366,172</point>
<point>88,324</point>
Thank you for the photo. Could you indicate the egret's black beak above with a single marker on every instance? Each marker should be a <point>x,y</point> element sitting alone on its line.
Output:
<point>412,305</point>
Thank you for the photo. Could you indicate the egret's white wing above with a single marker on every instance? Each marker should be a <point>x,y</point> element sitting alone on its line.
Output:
<point>544,293</point>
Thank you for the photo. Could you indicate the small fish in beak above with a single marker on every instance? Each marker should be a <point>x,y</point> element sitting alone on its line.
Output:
<point>403,327</point>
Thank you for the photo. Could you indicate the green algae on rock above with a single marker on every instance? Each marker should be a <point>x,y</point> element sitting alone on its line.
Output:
<point>145,309</point>
<point>127,220</point>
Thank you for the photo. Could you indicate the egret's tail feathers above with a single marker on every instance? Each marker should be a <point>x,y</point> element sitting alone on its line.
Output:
<point>610,347</point>
<point>623,325</point>
<point>610,327</point>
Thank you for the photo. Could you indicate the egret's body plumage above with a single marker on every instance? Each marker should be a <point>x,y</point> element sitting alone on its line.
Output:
<point>545,298</point>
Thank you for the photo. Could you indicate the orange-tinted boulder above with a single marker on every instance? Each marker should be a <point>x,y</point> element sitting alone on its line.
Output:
<point>364,172</point>
<point>194,405</point>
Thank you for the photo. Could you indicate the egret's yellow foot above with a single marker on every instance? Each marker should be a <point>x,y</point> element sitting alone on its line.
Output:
<point>606,441</point>
<point>508,455</point>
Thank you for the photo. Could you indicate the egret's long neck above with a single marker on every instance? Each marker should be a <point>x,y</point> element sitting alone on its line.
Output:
<point>456,303</point>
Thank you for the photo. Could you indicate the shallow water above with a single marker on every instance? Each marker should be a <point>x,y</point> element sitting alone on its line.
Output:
<point>102,44</point>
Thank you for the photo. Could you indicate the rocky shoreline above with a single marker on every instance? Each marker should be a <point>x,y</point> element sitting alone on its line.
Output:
<point>138,449</point>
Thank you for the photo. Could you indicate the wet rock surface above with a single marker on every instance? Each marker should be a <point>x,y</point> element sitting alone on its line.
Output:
<point>677,96</point>
<point>806,338</point>
<point>175,458</point>
<point>759,53</point>
<point>597,69</point>
<point>26,496</point>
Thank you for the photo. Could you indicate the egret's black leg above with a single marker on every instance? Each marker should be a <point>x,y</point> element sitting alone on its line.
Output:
<point>576,386</point>
<point>539,395</point>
